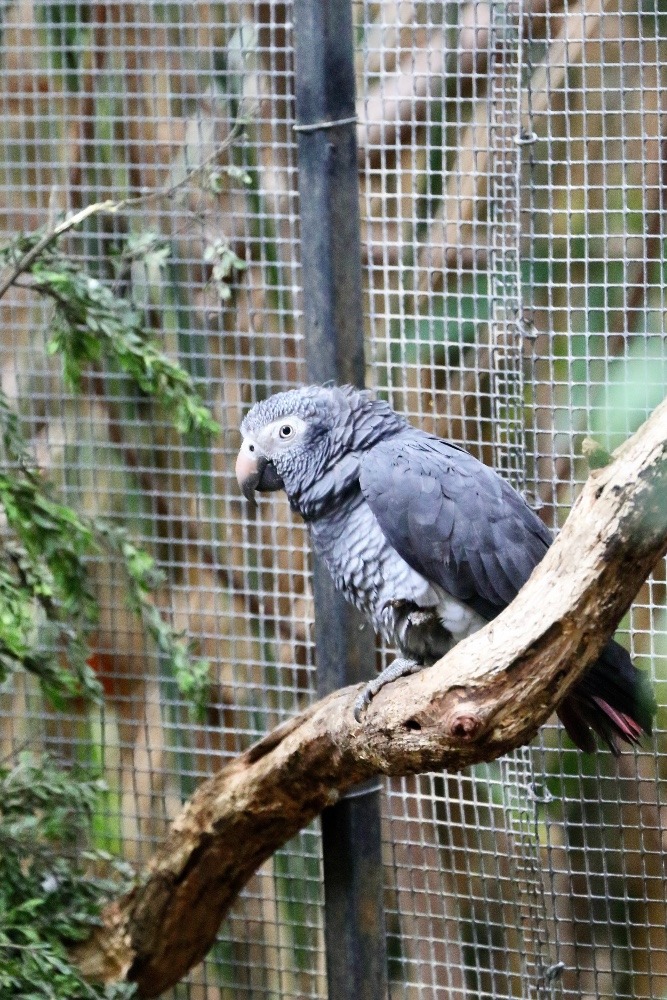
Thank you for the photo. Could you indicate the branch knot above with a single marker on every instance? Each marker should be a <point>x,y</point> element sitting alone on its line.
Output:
<point>465,722</point>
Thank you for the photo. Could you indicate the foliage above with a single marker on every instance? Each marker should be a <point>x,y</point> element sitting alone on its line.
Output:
<point>51,888</point>
<point>91,324</point>
<point>143,576</point>
<point>224,262</point>
<point>51,891</point>
<point>46,607</point>
<point>47,610</point>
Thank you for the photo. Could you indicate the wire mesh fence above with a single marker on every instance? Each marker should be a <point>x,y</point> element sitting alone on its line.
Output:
<point>512,192</point>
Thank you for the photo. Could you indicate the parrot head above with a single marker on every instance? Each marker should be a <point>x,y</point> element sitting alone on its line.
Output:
<point>309,441</point>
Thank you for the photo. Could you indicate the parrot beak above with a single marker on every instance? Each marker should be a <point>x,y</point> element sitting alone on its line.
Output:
<point>255,472</point>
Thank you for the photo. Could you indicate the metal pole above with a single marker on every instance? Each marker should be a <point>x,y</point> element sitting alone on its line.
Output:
<point>540,975</point>
<point>331,264</point>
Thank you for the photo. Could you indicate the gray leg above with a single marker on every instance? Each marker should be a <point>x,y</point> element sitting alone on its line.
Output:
<point>397,668</point>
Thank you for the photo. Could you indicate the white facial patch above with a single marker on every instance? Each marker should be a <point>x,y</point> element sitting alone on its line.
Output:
<point>281,433</point>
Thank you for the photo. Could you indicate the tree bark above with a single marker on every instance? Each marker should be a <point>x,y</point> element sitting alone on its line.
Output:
<point>487,696</point>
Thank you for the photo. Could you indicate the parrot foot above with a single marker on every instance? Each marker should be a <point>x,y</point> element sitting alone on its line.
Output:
<point>422,617</point>
<point>398,668</point>
<point>407,616</point>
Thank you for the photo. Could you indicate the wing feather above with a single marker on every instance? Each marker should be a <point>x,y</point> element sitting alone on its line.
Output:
<point>453,519</point>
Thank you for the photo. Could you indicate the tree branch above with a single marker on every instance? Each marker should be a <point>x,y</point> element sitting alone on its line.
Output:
<point>489,695</point>
<point>111,207</point>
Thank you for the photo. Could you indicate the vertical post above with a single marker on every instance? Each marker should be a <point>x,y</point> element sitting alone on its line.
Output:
<point>331,265</point>
<point>506,337</point>
<point>505,326</point>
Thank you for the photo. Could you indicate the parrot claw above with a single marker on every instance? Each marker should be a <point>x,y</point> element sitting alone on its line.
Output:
<point>409,615</point>
<point>397,604</point>
<point>398,668</point>
<point>362,703</point>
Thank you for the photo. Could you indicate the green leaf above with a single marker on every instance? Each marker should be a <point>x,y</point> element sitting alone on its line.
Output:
<point>51,891</point>
<point>91,325</point>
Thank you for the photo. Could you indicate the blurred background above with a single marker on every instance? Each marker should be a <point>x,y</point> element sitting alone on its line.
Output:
<point>513,237</point>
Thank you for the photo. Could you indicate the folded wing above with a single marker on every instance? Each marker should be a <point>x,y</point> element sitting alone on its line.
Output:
<point>453,519</point>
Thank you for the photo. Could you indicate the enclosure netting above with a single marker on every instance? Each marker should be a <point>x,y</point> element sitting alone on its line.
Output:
<point>513,176</point>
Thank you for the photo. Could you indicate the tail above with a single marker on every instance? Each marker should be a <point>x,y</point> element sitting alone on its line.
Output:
<point>614,700</point>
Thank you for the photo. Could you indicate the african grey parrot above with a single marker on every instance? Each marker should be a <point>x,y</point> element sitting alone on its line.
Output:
<point>428,542</point>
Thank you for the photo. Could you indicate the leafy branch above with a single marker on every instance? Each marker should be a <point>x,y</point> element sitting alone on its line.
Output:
<point>44,590</point>
<point>47,609</point>
<point>143,577</point>
<point>52,889</point>
<point>112,207</point>
<point>45,601</point>
<point>91,324</point>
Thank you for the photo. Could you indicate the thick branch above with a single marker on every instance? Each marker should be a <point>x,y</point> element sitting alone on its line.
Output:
<point>489,695</point>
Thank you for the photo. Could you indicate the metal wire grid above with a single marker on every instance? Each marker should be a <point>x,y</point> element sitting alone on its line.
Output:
<point>508,134</point>
<point>605,849</point>
<point>130,97</point>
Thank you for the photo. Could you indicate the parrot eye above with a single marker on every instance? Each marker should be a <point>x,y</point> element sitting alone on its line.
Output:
<point>286,432</point>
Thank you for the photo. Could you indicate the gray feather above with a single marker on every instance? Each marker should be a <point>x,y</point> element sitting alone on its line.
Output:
<point>452,519</point>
